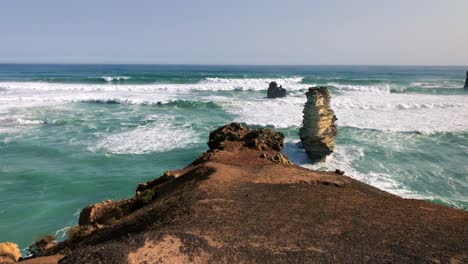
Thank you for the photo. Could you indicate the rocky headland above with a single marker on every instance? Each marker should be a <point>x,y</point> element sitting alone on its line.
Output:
<point>244,201</point>
<point>318,129</point>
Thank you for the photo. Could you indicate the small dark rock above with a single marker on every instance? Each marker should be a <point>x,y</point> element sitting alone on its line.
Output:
<point>274,91</point>
<point>339,172</point>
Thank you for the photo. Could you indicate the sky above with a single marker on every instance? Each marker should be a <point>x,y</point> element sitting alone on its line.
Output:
<point>312,32</point>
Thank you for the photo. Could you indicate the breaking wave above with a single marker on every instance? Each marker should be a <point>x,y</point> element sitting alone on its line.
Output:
<point>115,78</point>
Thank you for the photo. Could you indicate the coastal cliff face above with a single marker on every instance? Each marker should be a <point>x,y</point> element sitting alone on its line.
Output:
<point>243,201</point>
<point>318,128</point>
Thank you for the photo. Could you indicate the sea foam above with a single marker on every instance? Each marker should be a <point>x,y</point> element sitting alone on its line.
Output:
<point>160,136</point>
<point>391,112</point>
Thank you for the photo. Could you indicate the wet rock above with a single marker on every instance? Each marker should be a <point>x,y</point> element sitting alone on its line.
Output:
<point>274,91</point>
<point>318,129</point>
<point>9,252</point>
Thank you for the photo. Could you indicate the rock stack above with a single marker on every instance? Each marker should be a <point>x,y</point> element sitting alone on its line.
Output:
<point>274,91</point>
<point>319,129</point>
<point>466,81</point>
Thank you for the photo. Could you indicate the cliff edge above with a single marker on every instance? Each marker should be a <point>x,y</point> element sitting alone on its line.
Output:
<point>243,201</point>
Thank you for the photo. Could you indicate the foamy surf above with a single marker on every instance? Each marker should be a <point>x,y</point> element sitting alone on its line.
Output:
<point>406,113</point>
<point>345,158</point>
<point>161,136</point>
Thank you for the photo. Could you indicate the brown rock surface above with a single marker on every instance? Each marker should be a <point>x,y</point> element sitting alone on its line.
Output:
<point>234,205</point>
<point>318,127</point>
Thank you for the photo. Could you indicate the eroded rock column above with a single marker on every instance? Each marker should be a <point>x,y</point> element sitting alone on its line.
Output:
<point>318,128</point>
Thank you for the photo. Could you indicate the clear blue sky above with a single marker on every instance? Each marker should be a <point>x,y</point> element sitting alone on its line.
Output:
<point>416,32</point>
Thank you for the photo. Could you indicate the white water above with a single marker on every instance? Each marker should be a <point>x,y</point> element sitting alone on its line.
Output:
<point>160,136</point>
<point>370,107</point>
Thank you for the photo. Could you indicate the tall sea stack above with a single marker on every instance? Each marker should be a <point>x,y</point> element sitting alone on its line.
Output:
<point>318,128</point>
<point>466,81</point>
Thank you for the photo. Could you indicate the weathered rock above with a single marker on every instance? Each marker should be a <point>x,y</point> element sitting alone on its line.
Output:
<point>103,213</point>
<point>258,139</point>
<point>225,134</point>
<point>318,129</point>
<point>274,91</point>
<point>9,252</point>
<point>466,81</point>
<point>45,243</point>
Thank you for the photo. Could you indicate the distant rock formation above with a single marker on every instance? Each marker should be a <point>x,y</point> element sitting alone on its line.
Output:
<point>274,91</point>
<point>319,129</point>
<point>466,81</point>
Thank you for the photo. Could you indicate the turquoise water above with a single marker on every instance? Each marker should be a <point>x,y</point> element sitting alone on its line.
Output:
<point>72,135</point>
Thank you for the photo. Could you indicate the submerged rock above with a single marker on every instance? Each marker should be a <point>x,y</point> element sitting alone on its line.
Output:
<point>318,129</point>
<point>274,91</point>
<point>466,81</point>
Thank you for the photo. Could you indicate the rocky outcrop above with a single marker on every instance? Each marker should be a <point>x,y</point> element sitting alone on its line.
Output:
<point>9,252</point>
<point>236,204</point>
<point>318,128</point>
<point>235,134</point>
<point>274,91</point>
<point>466,81</point>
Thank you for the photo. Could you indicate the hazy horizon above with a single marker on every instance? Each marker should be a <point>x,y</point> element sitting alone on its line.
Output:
<point>358,33</point>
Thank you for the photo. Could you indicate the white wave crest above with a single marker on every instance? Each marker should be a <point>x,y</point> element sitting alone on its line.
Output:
<point>115,78</point>
<point>437,84</point>
<point>384,88</point>
<point>255,81</point>
<point>22,121</point>
<point>394,106</point>
<point>260,85</point>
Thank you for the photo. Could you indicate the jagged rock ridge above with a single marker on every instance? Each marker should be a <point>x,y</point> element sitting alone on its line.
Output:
<point>318,128</point>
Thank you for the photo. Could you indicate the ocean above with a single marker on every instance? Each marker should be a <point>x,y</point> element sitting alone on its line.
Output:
<point>73,135</point>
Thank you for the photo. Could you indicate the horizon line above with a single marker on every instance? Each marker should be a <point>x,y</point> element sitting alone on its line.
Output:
<point>217,64</point>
